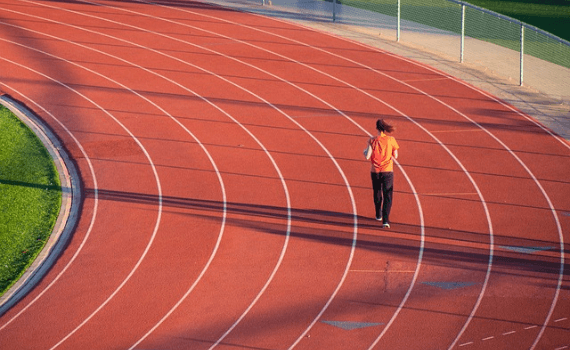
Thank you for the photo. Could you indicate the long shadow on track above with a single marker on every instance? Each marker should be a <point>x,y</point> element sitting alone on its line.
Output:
<point>339,224</point>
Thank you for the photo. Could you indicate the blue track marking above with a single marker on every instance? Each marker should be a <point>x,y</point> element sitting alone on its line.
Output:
<point>450,285</point>
<point>348,326</point>
<point>526,250</point>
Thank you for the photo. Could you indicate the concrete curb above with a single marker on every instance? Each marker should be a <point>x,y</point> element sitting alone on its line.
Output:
<point>71,199</point>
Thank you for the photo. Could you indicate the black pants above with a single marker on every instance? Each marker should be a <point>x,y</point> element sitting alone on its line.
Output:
<point>383,185</point>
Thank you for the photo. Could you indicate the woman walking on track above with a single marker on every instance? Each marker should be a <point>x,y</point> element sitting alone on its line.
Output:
<point>381,151</point>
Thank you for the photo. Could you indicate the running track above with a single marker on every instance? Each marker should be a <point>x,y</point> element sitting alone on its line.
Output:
<point>227,204</point>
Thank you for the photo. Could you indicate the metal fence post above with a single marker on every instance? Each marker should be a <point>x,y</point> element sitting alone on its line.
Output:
<point>462,33</point>
<point>522,54</point>
<point>398,29</point>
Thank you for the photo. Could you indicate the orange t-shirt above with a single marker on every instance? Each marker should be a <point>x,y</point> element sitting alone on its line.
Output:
<point>383,147</point>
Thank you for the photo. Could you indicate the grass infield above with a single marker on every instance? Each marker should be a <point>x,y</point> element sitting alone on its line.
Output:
<point>30,197</point>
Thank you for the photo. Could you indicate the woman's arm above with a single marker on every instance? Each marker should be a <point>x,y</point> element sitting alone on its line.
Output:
<point>368,151</point>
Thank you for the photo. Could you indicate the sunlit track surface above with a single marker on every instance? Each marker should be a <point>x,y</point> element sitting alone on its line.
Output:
<point>228,205</point>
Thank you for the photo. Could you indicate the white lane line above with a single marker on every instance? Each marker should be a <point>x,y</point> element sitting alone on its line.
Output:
<point>560,234</point>
<point>397,111</point>
<point>159,190</point>
<point>354,208</point>
<point>550,204</point>
<point>483,129</point>
<point>488,338</point>
<point>288,230</point>
<point>354,241</point>
<point>553,210</point>
<point>509,333</point>
<point>160,196</point>
<point>341,172</point>
<point>561,319</point>
<point>490,227</point>
<point>151,163</point>
<point>93,215</point>
<point>203,272</point>
<point>302,128</point>
<point>465,344</point>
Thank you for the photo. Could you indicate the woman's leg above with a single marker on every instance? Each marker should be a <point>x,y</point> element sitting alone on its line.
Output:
<point>377,188</point>
<point>387,180</point>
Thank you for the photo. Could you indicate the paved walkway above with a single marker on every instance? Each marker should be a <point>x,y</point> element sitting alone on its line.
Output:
<point>547,104</point>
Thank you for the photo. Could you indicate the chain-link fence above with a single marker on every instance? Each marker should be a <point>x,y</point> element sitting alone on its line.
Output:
<point>457,31</point>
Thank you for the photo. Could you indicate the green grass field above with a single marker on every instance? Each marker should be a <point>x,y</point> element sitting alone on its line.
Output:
<point>30,197</point>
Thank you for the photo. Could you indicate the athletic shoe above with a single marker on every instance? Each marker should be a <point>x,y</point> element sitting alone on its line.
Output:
<point>379,219</point>
<point>386,225</point>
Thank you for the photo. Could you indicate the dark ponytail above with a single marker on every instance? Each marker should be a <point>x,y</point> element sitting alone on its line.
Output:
<point>381,125</point>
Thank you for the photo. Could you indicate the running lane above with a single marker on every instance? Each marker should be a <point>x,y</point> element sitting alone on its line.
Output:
<point>262,234</point>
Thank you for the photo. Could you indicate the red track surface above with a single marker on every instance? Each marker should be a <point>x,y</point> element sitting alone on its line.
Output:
<point>227,204</point>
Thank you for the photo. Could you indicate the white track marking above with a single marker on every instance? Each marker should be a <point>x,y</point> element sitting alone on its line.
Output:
<point>330,300</point>
<point>93,215</point>
<point>561,273</point>
<point>257,140</point>
<point>160,197</point>
<point>217,245</point>
<point>319,316</point>
<point>159,190</point>
<point>379,100</point>
<point>553,210</point>
<point>299,126</point>
<point>157,178</point>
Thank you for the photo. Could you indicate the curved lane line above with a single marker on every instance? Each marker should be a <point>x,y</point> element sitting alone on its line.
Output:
<point>109,114</point>
<point>202,146</point>
<point>531,174</point>
<point>95,204</point>
<point>482,92</point>
<point>491,255</point>
<point>355,218</point>
<point>553,210</point>
<point>217,245</point>
<point>346,181</point>
<point>350,119</point>
<point>159,189</point>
